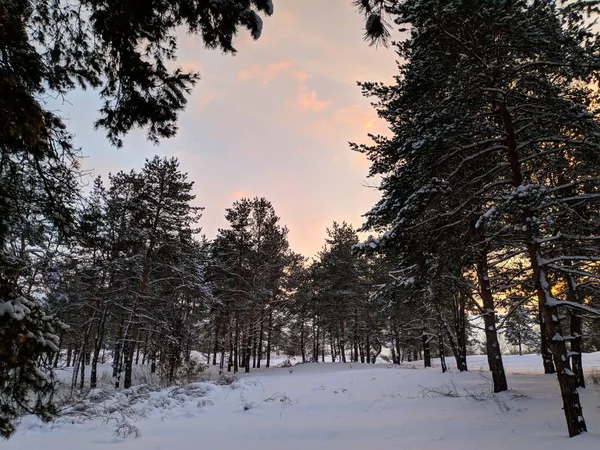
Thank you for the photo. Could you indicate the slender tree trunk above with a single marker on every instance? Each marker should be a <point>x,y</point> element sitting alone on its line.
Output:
<point>461,333</point>
<point>69,354</point>
<point>145,351</point>
<point>137,354</point>
<point>398,349</point>
<point>261,338</point>
<point>269,337</point>
<point>342,341</point>
<point>494,355</point>
<point>254,350</point>
<point>57,354</point>
<point>442,349</point>
<point>230,357</point>
<point>82,367</point>
<point>248,351</point>
<point>426,348</point>
<point>355,336</point>
<point>216,347</point>
<point>302,344</point>
<point>316,345</point>
<point>332,345</point>
<point>128,357</point>
<point>236,341</point>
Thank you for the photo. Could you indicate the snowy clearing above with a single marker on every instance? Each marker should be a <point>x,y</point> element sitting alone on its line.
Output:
<point>335,406</point>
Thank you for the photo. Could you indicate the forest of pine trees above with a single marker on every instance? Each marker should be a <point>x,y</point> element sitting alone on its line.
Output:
<point>488,218</point>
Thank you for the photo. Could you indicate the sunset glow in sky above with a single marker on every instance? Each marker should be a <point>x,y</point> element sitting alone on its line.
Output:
<point>273,121</point>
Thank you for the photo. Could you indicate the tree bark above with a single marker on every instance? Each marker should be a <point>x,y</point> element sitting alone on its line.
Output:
<point>269,337</point>
<point>426,348</point>
<point>566,378</point>
<point>442,350</point>
<point>494,355</point>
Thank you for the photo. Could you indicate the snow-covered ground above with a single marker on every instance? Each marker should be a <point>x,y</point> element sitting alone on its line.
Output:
<point>333,406</point>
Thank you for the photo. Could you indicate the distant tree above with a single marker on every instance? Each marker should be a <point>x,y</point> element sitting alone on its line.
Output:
<point>520,328</point>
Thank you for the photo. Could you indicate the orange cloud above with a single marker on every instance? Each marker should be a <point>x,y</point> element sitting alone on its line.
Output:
<point>287,18</point>
<point>240,194</point>
<point>307,99</point>
<point>208,98</point>
<point>360,115</point>
<point>264,74</point>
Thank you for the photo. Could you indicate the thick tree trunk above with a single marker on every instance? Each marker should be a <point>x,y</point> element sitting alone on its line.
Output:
<point>566,378</point>
<point>546,352</point>
<point>577,349</point>
<point>576,333</point>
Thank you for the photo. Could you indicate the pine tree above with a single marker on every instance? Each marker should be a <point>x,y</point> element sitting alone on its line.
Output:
<point>491,106</point>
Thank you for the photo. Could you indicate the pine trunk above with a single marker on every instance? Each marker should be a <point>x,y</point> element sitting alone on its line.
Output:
<point>426,348</point>
<point>566,378</point>
<point>494,356</point>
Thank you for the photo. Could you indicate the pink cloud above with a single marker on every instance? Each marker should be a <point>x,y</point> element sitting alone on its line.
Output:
<point>307,99</point>
<point>362,116</point>
<point>240,194</point>
<point>264,74</point>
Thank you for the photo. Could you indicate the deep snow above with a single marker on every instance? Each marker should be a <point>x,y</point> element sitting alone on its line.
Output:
<point>340,406</point>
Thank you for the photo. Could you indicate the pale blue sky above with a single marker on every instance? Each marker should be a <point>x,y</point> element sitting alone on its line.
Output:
<point>273,121</point>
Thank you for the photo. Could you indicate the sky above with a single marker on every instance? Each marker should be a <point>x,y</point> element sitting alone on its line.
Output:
<point>272,121</point>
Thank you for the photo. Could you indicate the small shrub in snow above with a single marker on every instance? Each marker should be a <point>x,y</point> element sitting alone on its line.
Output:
<point>445,390</point>
<point>226,380</point>
<point>286,363</point>
<point>125,430</point>
<point>204,402</point>
<point>282,398</point>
